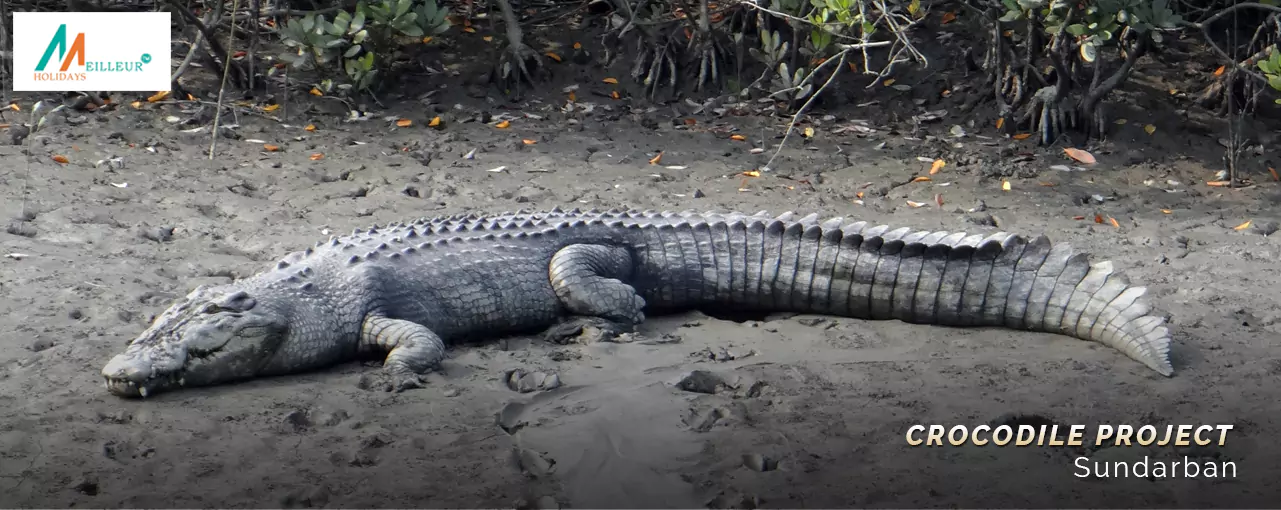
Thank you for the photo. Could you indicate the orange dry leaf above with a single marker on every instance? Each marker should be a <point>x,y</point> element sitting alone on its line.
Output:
<point>1217,183</point>
<point>1167,211</point>
<point>1022,136</point>
<point>136,104</point>
<point>922,179</point>
<point>948,17</point>
<point>936,166</point>
<point>529,142</point>
<point>434,122</point>
<point>317,156</point>
<point>503,125</point>
<point>15,107</point>
<point>614,94</point>
<point>752,173</point>
<point>553,56</point>
<point>915,205</point>
<point>737,137</point>
<point>271,108</point>
<point>189,98</point>
<point>270,147</point>
<point>1098,218</point>
<point>657,157</point>
<point>1005,185</point>
<point>488,38</point>
<point>611,81</point>
<point>572,96</point>
<point>61,159</point>
<point>1243,226</point>
<point>859,194</point>
<point>1000,122</point>
<point>238,54</point>
<point>578,46</point>
<point>315,92</point>
<point>159,96</point>
<point>310,127</point>
<point>690,121</point>
<point>404,123</point>
<point>1219,71</point>
<point>1080,155</point>
<point>469,30</point>
<point>426,39</point>
<point>1275,177</point>
<point>1114,222</point>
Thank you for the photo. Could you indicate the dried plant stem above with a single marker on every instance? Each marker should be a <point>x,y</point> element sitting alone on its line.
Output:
<point>226,67</point>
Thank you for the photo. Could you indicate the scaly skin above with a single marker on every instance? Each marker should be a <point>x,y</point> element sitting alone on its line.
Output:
<point>407,290</point>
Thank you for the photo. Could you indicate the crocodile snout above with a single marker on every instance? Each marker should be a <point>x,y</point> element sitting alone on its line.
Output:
<point>127,368</point>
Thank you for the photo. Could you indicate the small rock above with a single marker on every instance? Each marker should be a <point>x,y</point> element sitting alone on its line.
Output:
<point>21,228</point>
<point>157,234</point>
<point>703,381</point>
<point>41,344</point>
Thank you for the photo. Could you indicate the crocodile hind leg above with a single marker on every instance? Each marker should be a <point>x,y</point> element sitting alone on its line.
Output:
<point>588,280</point>
<point>411,349</point>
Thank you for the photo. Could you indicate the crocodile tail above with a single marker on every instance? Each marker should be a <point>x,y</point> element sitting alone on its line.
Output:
<point>1004,280</point>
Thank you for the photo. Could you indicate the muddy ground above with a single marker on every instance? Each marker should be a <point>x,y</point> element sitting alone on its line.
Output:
<point>815,408</point>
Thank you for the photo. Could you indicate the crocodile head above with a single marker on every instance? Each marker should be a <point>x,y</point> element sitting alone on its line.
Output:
<point>215,334</point>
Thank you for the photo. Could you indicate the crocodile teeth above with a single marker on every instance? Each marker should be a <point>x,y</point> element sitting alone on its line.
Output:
<point>142,390</point>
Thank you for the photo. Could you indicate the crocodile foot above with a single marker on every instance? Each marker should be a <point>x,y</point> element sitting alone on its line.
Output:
<point>586,330</point>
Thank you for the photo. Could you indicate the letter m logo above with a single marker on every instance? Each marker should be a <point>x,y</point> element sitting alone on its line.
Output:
<point>59,43</point>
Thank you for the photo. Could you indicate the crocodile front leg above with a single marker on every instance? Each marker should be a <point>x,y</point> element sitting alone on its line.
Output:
<point>588,280</point>
<point>411,349</point>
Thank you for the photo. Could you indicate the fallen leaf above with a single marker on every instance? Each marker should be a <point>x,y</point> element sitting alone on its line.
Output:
<point>657,157</point>
<point>578,46</point>
<point>1098,218</point>
<point>434,122</point>
<point>888,82</point>
<point>938,199</point>
<point>1219,71</point>
<point>15,107</point>
<point>1114,222</point>
<point>1149,129</point>
<point>404,123</point>
<point>752,173</point>
<point>948,17</point>
<point>503,125</point>
<point>859,194</point>
<point>315,92</point>
<point>611,81</point>
<point>469,30</point>
<point>915,205</point>
<point>271,108</point>
<point>1078,217</point>
<point>809,132</point>
<point>527,141</point>
<point>1174,91</point>
<point>572,96</point>
<point>1167,211</point>
<point>737,137</point>
<point>61,159</point>
<point>922,179</point>
<point>488,38</point>
<point>136,104</point>
<point>270,147</point>
<point>614,94</point>
<point>189,98</point>
<point>1080,155</point>
<point>159,96</point>
<point>690,121</point>
<point>1275,177</point>
<point>1000,122</point>
<point>553,56</point>
<point>1005,185</point>
<point>936,166</point>
<point>1217,184</point>
<point>238,54</point>
<point>1243,226</point>
<point>426,39</point>
<point>1120,122</point>
<point>317,156</point>
<point>1022,136</point>
<point>310,127</point>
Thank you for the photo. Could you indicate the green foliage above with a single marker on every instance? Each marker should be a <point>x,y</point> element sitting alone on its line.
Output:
<point>1271,68</point>
<point>1099,23</point>
<point>364,43</point>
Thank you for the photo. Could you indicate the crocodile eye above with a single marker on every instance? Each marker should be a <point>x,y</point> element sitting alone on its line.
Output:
<point>210,309</point>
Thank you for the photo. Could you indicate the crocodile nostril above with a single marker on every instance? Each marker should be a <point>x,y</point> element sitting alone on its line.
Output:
<point>124,367</point>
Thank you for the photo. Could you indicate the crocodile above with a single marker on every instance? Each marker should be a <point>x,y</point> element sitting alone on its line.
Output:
<point>403,291</point>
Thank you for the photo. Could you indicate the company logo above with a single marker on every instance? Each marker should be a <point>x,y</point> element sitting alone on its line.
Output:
<point>91,51</point>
